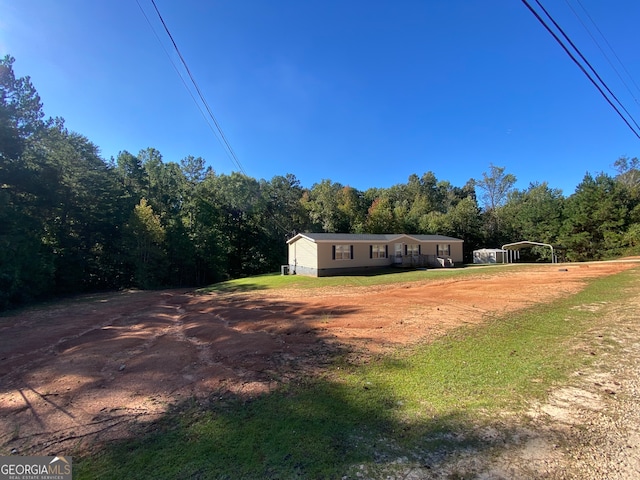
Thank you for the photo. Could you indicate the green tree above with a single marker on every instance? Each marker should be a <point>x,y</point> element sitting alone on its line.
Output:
<point>380,218</point>
<point>628,179</point>
<point>26,267</point>
<point>283,196</point>
<point>352,209</point>
<point>79,203</point>
<point>132,175</point>
<point>495,187</point>
<point>194,169</point>
<point>21,112</point>
<point>210,240</point>
<point>148,235</point>
<point>534,214</point>
<point>596,215</point>
<point>631,239</point>
<point>241,209</point>
<point>629,173</point>
<point>322,205</point>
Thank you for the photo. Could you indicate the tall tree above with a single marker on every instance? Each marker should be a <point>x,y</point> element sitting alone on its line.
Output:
<point>148,235</point>
<point>194,169</point>
<point>21,112</point>
<point>534,214</point>
<point>380,218</point>
<point>322,203</point>
<point>133,176</point>
<point>596,215</point>
<point>352,208</point>
<point>629,173</point>
<point>495,187</point>
<point>241,206</point>
<point>26,268</point>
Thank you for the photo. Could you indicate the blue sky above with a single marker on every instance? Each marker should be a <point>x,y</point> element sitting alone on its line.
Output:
<point>364,93</point>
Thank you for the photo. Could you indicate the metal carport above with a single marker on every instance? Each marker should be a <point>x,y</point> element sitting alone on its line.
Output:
<point>513,247</point>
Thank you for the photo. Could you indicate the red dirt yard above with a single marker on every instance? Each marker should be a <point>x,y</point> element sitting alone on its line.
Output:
<point>80,372</point>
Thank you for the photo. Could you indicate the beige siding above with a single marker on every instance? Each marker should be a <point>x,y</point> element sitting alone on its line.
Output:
<point>360,256</point>
<point>456,252</point>
<point>431,248</point>
<point>428,248</point>
<point>307,257</point>
<point>303,252</point>
<point>324,256</point>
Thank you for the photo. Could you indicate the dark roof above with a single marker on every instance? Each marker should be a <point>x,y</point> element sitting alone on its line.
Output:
<point>370,237</point>
<point>426,238</point>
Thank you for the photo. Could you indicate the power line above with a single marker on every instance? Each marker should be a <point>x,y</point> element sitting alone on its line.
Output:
<point>220,133</point>
<point>591,68</point>
<point>587,62</point>
<point>602,50</point>
<point>175,67</point>
<point>564,47</point>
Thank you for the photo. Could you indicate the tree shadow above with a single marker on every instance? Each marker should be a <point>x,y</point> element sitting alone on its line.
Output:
<point>318,429</point>
<point>276,411</point>
<point>230,287</point>
<point>78,369</point>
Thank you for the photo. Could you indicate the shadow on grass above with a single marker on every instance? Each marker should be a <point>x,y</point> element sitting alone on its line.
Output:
<point>394,269</point>
<point>318,429</point>
<point>357,277</point>
<point>231,287</point>
<point>341,426</point>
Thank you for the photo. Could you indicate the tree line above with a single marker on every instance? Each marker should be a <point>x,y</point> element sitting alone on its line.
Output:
<point>71,221</point>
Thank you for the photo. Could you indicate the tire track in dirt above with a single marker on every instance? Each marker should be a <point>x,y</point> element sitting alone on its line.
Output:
<point>82,372</point>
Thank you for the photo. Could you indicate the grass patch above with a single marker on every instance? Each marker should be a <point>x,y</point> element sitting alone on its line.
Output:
<point>383,277</point>
<point>420,400</point>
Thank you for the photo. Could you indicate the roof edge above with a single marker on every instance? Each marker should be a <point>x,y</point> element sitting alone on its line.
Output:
<point>383,237</point>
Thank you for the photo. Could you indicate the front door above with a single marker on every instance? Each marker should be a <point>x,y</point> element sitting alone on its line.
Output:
<point>397,258</point>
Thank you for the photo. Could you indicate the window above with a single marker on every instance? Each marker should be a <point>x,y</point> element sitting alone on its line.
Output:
<point>342,252</point>
<point>378,251</point>
<point>413,250</point>
<point>444,250</point>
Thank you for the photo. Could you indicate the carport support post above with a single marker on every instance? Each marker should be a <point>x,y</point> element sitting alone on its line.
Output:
<point>518,245</point>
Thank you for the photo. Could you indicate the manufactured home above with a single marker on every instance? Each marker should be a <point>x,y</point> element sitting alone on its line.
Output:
<point>325,254</point>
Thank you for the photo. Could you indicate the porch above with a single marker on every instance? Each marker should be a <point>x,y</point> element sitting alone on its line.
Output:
<point>421,261</point>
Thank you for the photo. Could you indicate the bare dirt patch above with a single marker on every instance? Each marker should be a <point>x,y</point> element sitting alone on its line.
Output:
<point>80,372</point>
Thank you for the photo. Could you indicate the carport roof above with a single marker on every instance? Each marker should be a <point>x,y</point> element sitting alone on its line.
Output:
<point>525,244</point>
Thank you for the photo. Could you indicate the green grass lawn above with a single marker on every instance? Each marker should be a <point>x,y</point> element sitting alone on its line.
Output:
<point>419,399</point>
<point>384,277</point>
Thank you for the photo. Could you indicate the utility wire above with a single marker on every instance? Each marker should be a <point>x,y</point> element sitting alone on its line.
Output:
<point>221,134</point>
<point>587,62</point>
<point>175,67</point>
<point>603,52</point>
<point>564,47</point>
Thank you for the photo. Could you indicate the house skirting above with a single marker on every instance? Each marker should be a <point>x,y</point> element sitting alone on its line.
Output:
<point>328,272</point>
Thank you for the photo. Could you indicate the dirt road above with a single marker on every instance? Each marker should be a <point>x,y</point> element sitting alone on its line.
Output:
<point>79,372</point>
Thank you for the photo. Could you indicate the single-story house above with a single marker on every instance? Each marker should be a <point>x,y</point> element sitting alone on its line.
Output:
<point>325,254</point>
